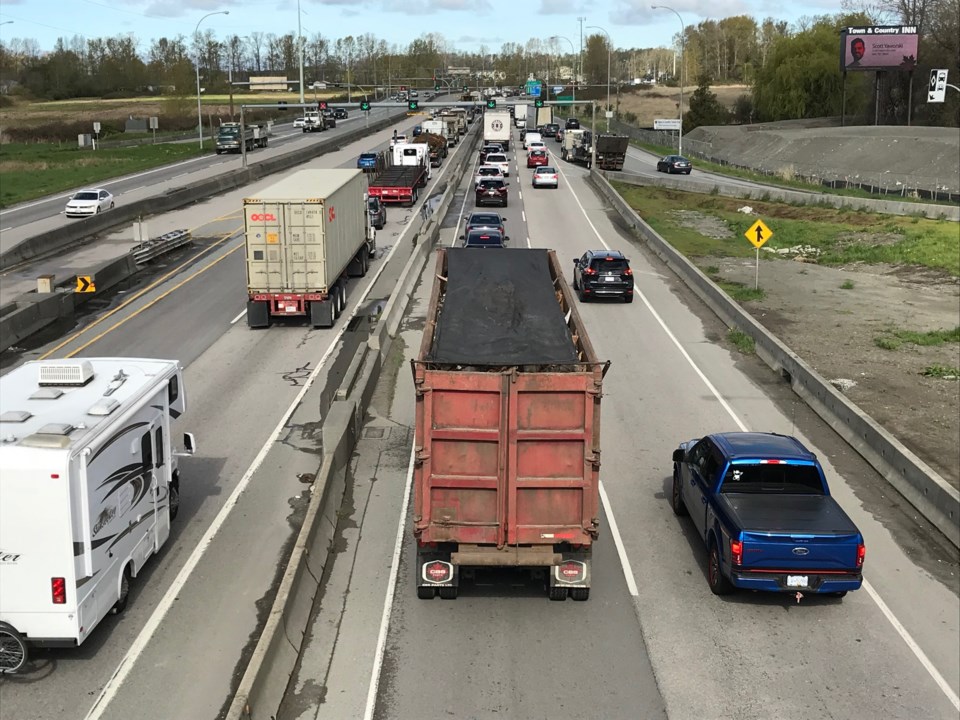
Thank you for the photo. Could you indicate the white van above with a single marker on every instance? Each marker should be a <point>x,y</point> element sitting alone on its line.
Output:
<point>531,137</point>
<point>89,486</point>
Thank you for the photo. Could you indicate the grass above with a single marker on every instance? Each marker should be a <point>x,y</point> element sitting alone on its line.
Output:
<point>840,237</point>
<point>739,291</point>
<point>39,169</point>
<point>895,338</point>
<point>740,340</point>
<point>942,371</point>
<point>847,285</point>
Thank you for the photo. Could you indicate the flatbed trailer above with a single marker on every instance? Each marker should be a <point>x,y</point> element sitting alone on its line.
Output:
<point>399,184</point>
<point>508,388</point>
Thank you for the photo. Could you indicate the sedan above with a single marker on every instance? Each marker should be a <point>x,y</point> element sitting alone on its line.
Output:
<point>536,158</point>
<point>491,192</point>
<point>484,221</point>
<point>546,176</point>
<point>536,145</point>
<point>340,113</point>
<point>559,136</point>
<point>500,160</point>
<point>299,122</point>
<point>89,202</point>
<point>674,163</point>
<point>488,171</point>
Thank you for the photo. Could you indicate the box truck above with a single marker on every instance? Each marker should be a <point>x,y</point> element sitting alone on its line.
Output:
<point>305,236</point>
<point>507,434</point>
<point>496,127</point>
<point>89,487</point>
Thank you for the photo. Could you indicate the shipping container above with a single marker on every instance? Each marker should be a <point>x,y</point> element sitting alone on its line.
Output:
<point>496,127</point>
<point>305,235</point>
<point>508,391</point>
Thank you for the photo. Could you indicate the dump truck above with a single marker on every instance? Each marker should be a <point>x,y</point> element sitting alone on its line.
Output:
<point>305,236</point>
<point>576,146</point>
<point>229,133</point>
<point>611,151</point>
<point>407,170</point>
<point>508,388</point>
<point>438,147</point>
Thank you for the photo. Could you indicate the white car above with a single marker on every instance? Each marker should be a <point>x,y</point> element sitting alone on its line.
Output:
<point>536,146</point>
<point>545,176</point>
<point>493,172</point>
<point>299,122</point>
<point>89,202</point>
<point>397,140</point>
<point>500,160</point>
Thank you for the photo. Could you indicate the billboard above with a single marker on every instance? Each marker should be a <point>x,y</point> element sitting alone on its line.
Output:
<point>879,47</point>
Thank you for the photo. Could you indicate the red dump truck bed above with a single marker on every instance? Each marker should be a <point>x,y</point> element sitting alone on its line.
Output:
<point>507,424</point>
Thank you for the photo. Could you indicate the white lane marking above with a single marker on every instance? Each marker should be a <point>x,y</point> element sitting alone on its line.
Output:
<point>897,625</point>
<point>523,214</point>
<point>618,541</point>
<point>133,190</point>
<point>107,184</point>
<point>232,322</point>
<point>163,607</point>
<point>529,244</point>
<point>10,227</point>
<point>374,688</point>
<point>182,174</point>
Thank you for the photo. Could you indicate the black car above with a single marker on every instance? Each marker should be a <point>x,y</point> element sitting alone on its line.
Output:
<point>484,221</point>
<point>489,148</point>
<point>484,239</point>
<point>491,192</point>
<point>572,124</point>
<point>674,164</point>
<point>377,212</point>
<point>550,130</point>
<point>340,113</point>
<point>603,273</point>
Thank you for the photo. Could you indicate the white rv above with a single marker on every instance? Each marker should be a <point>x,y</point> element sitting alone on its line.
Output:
<point>88,488</point>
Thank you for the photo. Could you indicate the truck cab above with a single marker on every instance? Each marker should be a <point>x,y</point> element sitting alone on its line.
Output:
<point>313,121</point>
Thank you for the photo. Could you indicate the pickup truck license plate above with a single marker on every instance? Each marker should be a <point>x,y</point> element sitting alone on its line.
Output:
<point>797,580</point>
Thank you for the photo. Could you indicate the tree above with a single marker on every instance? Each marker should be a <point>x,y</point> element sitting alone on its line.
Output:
<point>705,108</point>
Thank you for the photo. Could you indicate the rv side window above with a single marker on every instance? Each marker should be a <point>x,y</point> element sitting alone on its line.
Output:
<point>158,444</point>
<point>173,389</point>
<point>146,453</point>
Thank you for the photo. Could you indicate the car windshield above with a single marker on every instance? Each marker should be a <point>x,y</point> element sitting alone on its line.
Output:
<point>770,478</point>
<point>85,196</point>
<point>490,184</point>
<point>368,156</point>
<point>373,204</point>
<point>616,265</point>
<point>489,171</point>
<point>496,158</point>
<point>491,220</point>
<point>544,170</point>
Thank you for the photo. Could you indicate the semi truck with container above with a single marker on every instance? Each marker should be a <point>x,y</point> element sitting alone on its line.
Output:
<point>496,127</point>
<point>507,432</point>
<point>611,151</point>
<point>407,171</point>
<point>306,235</point>
<point>229,137</point>
<point>452,124</point>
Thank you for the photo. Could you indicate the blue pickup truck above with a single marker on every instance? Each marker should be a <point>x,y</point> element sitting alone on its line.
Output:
<point>762,506</point>
<point>371,162</point>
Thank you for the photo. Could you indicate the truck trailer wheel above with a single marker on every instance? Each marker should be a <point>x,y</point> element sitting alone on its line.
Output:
<point>580,594</point>
<point>425,592</point>
<point>13,650</point>
<point>558,594</point>
<point>449,593</point>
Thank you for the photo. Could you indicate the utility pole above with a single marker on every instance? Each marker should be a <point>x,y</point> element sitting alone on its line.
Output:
<point>576,75</point>
<point>300,50</point>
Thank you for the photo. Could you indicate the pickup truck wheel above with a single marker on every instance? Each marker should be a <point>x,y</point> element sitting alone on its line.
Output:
<point>719,584</point>
<point>580,594</point>
<point>13,650</point>
<point>425,592</point>
<point>840,594</point>
<point>676,496</point>
<point>558,594</point>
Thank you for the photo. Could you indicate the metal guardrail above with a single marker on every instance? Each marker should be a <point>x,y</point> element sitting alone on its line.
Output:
<point>148,251</point>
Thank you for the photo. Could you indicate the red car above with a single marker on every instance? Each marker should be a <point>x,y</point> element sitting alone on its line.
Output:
<point>536,158</point>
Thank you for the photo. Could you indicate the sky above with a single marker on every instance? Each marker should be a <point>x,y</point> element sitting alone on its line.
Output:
<point>467,25</point>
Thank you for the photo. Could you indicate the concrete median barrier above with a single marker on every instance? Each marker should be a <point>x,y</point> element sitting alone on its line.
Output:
<point>922,486</point>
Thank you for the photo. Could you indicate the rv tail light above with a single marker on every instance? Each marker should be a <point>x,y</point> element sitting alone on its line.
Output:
<point>861,554</point>
<point>58,589</point>
<point>736,552</point>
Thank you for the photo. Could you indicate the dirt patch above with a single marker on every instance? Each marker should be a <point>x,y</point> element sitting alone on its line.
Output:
<point>709,225</point>
<point>648,104</point>
<point>831,318</point>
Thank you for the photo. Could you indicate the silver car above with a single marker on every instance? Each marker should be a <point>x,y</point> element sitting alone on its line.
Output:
<point>89,202</point>
<point>546,176</point>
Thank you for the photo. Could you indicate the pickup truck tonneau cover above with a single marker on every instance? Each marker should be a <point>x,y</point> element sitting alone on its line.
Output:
<point>788,514</point>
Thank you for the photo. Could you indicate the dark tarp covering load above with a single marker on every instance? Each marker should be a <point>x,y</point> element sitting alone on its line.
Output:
<point>500,309</point>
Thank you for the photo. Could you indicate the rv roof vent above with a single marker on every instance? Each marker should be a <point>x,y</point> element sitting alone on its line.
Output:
<point>15,416</point>
<point>104,407</point>
<point>50,442</point>
<point>47,393</point>
<point>56,429</point>
<point>66,373</point>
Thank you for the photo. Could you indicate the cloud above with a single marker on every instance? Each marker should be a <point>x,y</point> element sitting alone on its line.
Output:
<point>429,7</point>
<point>473,39</point>
<point>639,12</point>
<point>559,7</point>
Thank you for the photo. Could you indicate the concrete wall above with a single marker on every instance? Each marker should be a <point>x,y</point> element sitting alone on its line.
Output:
<point>923,487</point>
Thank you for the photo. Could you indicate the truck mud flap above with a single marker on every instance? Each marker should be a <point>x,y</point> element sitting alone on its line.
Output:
<point>358,266</point>
<point>436,575</point>
<point>573,577</point>
<point>322,313</point>
<point>258,314</point>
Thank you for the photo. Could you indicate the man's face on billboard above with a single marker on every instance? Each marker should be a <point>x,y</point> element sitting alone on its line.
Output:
<point>858,48</point>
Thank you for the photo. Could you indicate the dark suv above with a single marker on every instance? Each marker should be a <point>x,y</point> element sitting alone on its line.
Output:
<point>572,124</point>
<point>491,192</point>
<point>377,212</point>
<point>340,113</point>
<point>484,239</point>
<point>550,130</point>
<point>603,273</point>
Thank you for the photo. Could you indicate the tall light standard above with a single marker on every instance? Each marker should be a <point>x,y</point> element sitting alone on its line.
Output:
<point>683,31</point>
<point>300,50</point>
<point>573,52</point>
<point>609,50</point>
<point>197,40</point>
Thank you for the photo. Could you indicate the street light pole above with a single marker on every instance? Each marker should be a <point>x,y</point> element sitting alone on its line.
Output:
<point>683,32</point>
<point>609,50</point>
<point>196,39</point>
<point>573,53</point>
<point>300,50</point>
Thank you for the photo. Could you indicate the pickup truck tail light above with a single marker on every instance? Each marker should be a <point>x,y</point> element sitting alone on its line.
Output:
<point>861,554</point>
<point>736,552</point>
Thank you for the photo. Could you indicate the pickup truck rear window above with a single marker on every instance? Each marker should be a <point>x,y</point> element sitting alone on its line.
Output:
<point>772,479</point>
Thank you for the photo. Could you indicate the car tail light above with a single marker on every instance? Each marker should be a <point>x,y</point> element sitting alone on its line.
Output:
<point>58,590</point>
<point>628,271</point>
<point>589,271</point>
<point>736,552</point>
<point>861,554</point>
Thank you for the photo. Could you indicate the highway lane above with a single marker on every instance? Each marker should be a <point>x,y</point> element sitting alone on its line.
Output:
<point>22,221</point>
<point>891,650</point>
<point>240,385</point>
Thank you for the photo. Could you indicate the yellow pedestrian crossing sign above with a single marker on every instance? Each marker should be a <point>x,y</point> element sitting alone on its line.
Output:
<point>85,284</point>
<point>758,234</point>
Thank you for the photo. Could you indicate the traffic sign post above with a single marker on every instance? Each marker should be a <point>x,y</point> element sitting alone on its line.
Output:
<point>938,86</point>
<point>758,234</point>
<point>85,284</point>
